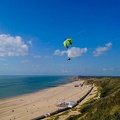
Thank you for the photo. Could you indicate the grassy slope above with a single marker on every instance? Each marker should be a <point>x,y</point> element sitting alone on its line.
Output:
<point>107,107</point>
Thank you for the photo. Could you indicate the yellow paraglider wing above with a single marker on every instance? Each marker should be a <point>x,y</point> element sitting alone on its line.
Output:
<point>67,42</point>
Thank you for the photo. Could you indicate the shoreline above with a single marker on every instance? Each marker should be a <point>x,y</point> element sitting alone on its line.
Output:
<point>26,94</point>
<point>48,87</point>
<point>29,106</point>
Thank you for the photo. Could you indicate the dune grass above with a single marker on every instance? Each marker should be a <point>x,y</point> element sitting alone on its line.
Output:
<point>107,107</point>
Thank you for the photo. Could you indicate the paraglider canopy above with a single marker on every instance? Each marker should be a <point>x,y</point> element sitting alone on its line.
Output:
<point>67,42</point>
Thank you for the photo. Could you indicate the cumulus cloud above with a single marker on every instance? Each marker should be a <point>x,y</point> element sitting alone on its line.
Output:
<point>72,52</point>
<point>12,46</point>
<point>58,52</point>
<point>100,50</point>
<point>76,52</point>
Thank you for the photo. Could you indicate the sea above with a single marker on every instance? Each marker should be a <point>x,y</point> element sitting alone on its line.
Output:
<point>14,85</point>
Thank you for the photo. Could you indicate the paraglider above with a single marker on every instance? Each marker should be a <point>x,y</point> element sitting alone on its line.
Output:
<point>69,59</point>
<point>67,42</point>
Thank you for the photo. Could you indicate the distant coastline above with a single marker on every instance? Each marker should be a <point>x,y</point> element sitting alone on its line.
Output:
<point>15,85</point>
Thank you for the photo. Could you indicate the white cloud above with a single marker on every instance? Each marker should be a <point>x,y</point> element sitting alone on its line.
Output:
<point>72,52</point>
<point>76,52</point>
<point>108,44</point>
<point>100,50</point>
<point>12,46</point>
<point>58,52</point>
<point>38,56</point>
<point>108,69</point>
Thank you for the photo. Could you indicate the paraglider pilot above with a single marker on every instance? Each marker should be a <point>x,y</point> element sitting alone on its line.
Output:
<point>69,59</point>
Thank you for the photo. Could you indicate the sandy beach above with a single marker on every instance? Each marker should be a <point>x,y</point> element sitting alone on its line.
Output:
<point>32,105</point>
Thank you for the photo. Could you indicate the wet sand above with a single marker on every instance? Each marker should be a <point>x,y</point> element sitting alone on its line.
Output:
<point>32,105</point>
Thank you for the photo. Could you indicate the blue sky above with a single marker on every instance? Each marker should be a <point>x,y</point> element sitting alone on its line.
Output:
<point>32,35</point>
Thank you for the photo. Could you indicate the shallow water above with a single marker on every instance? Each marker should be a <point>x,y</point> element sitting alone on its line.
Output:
<point>18,85</point>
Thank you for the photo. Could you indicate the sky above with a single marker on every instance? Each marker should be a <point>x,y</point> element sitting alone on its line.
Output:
<point>32,35</point>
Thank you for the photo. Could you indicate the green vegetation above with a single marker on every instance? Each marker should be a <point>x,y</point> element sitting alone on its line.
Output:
<point>107,107</point>
<point>56,117</point>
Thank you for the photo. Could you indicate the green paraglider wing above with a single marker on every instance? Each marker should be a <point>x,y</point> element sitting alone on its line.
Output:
<point>67,42</point>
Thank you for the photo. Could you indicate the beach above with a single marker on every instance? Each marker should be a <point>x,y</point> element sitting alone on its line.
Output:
<point>29,106</point>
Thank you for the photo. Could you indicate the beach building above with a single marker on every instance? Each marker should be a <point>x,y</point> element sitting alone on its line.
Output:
<point>69,104</point>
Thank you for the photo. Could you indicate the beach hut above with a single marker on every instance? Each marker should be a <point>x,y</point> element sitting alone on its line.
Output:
<point>69,104</point>
<point>62,104</point>
<point>72,104</point>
